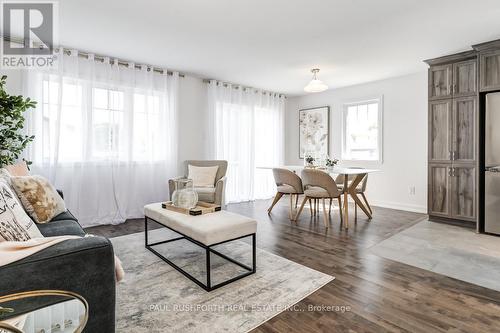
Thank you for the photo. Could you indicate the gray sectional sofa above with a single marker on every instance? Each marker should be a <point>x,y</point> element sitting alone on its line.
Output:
<point>84,266</point>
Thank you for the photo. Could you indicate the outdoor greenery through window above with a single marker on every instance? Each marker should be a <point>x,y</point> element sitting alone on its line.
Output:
<point>362,131</point>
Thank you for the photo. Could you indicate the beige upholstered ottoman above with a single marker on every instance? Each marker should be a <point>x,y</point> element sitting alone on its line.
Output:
<point>205,231</point>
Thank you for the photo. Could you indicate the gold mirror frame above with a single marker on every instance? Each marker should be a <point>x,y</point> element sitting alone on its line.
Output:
<point>38,293</point>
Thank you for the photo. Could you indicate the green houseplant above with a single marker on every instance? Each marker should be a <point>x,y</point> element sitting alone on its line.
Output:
<point>12,140</point>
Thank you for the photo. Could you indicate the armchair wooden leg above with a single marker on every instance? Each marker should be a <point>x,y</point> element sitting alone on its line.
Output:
<point>296,200</point>
<point>366,202</point>
<point>310,207</point>
<point>276,199</point>
<point>302,207</point>
<point>339,199</point>
<point>325,214</point>
<point>330,208</point>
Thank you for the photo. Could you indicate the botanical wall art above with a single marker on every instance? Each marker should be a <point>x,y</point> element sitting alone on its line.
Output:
<point>314,131</point>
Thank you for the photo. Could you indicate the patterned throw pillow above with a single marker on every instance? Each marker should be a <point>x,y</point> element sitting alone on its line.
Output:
<point>39,198</point>
<point>5,176</point>
<point>15,224</point>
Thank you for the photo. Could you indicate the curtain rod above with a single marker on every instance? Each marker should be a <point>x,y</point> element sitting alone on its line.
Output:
<point>97,57</point>
<point>237,86</point>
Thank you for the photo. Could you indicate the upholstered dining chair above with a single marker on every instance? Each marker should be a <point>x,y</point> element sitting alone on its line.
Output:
<point>288,183</point>
<point>213,194</point>
<point>319,185</point>
<point>360,189</point>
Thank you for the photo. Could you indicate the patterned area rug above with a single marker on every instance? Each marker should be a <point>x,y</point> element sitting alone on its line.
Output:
<point>154,297</point>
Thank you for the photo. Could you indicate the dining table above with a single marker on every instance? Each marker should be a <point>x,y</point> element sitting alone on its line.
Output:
<point>353,176</point>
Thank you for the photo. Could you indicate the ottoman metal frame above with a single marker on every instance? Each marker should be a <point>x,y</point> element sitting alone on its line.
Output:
<point>208,250</point>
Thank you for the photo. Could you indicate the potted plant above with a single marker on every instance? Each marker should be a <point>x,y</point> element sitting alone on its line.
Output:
<point>12,140</point>
<point>330,163</point>
<point>309,161</point>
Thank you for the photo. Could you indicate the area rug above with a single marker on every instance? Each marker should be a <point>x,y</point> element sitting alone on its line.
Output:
<point>449,250</point>
<point>154,297</point>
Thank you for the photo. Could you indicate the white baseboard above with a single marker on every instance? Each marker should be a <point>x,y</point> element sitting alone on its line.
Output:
<point>400,206</point>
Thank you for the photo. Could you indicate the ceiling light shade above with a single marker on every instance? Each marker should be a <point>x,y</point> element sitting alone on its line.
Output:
<point>315,85</point>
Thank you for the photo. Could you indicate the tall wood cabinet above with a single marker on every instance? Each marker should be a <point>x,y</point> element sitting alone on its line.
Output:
<point>457,87</point>
<point>453,138</point>
<point>489,65</point>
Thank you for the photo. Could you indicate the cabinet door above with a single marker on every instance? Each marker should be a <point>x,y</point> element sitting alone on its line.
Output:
<point>490,70</point>
<point>464,129</point>
<point>463,192</point>
<point>440,81</point>
<point>465,78</point>
<point>439,196</point>
<point>440,122</point>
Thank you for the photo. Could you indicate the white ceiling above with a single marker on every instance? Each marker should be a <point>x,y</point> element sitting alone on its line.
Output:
<point>272,44</point>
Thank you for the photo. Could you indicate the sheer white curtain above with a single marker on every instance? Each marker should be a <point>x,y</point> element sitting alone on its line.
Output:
<point>246,129</point>
<point>104,134</point>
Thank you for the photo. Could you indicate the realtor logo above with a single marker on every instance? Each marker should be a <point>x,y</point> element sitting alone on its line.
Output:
<point>29,34</point>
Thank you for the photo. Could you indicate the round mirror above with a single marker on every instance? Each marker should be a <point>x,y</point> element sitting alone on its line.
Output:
<point>43,311</point>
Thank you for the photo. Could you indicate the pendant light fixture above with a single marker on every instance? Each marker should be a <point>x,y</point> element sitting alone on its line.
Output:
<point>315,85</point>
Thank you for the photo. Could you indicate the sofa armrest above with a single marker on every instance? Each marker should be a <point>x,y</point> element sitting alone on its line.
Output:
<point>171,185</point>
<point>84,266</point>
<point>220,190</point>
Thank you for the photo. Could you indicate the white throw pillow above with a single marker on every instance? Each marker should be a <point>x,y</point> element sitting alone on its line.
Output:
<point>15,224</point>
<point>202,176</point>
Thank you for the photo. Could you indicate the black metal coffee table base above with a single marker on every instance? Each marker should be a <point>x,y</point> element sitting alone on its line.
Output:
<point>208,250</point>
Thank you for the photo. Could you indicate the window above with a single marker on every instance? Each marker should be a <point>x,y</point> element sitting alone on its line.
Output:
<point>362,131</point>
<point>147,127</point>
<point>65,121</point>
<point>85,123</point>
<point>107,123</point>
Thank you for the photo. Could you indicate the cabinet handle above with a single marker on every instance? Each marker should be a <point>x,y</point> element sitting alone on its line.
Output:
<point>449,172</point>
<point>453,156</point>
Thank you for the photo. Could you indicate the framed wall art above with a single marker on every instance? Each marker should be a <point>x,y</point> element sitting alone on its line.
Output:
<point>314,131</point>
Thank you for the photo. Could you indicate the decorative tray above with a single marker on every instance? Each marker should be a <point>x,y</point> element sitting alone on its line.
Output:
<point>200,209</point>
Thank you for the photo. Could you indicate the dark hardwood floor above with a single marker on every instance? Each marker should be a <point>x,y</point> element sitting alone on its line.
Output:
<point>380,295</point>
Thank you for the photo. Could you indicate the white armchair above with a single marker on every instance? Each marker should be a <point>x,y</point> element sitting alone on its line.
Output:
<point>208,194</point>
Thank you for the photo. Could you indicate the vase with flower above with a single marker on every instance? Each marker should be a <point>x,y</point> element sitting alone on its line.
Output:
<point>331,162</point>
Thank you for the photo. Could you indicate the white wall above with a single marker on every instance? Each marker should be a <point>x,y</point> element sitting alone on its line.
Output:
<point>192,110</point>
<point>404,137</point>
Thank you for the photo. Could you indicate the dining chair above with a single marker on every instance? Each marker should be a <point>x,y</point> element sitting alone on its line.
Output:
<point>287,182</point>
<point>319,185</point>
<point>360,189</point>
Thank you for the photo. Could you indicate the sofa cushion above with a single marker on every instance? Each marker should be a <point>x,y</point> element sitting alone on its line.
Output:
<point>60,228</point>
<point>206,194</point>
<point>64,216</point>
